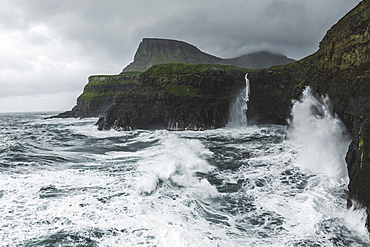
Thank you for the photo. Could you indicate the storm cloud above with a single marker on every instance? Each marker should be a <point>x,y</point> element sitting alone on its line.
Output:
<point>49,48</point>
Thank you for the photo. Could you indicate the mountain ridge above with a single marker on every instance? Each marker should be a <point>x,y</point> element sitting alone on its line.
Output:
<point>153,51</point>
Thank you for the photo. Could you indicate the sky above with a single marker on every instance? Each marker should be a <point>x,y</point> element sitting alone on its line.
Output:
<point>50,47</point>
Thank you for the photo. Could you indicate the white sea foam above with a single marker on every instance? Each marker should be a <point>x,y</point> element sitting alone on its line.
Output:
<point>355,218</point>
<point>321,135</point>
<point>323,142</point>
<point>174,160</point>
<point>224,187</point>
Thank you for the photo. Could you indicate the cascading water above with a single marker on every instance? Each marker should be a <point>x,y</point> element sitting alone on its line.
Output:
<point>239,107</point>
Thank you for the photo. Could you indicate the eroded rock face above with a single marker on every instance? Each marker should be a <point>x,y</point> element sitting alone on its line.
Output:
<point>99,93</point>
<point>177,96</point>
<point>340,69</point>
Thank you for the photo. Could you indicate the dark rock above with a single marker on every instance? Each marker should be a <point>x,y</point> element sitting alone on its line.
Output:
<point>340,69</point>
<point>177,97</point>
<point>99,93</point>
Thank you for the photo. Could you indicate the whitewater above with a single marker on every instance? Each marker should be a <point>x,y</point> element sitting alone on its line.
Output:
<point>64,183</point>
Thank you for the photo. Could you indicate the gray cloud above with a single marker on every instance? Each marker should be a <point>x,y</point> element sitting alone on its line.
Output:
<point>53,46</point>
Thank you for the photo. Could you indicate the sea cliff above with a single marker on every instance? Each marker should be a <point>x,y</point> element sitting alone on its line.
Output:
<point>339,69</point>
<point>99,93</point>
<point>177,97</point>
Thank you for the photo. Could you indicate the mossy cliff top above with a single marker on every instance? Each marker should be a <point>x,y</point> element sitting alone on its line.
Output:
<point>111,80</point>
<point>180,69</point>
<point>192,80</point>
<point>98,94</point>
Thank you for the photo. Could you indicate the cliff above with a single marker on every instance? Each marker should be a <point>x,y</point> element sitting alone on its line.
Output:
<point>340,69</point>
<point>159,51</point>
<point>177,96</point>
<point>99,93</point>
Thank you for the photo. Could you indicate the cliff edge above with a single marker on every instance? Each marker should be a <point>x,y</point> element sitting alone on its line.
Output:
<point>177,97</point>
<point>99,93</point>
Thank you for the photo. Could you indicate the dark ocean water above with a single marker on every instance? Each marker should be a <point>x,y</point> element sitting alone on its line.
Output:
<point>64,183</point>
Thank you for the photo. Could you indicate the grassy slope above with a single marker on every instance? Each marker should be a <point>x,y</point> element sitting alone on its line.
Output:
<point>171,77</point>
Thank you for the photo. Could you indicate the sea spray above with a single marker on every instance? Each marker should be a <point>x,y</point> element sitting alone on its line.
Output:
<point>173,163</point>
<point>71,184</point>
<point>355,218</point>
<point>239,107</point>
<point>321,135</point>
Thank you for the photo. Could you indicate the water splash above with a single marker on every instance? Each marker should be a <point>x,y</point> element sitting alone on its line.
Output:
<point>355,218</point>
<point>239,106</point>
<point>174,163</point>
<point>321,135</point>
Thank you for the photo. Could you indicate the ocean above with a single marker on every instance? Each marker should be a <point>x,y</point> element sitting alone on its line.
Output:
<point>64,183</point>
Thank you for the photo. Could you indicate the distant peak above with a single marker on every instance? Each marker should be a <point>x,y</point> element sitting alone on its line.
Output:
<point>162,40</point>
<point>152,51</point>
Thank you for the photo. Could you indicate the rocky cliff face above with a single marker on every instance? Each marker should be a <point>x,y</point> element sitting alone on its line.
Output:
<point>160,51</point>
<point>340,69</point>
<point>177,96</point>
<point>99,93</point>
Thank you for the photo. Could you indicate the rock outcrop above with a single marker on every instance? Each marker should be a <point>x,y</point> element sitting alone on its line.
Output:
<point>177,97</point>
<point>340,69</point>
<point>160,51</point>
<point>99,94</point>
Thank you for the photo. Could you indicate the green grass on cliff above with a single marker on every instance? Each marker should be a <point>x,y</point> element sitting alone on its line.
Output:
<point>183,90</point>
<point>170,73</point>
<point>188,90</point>
<point>172,76</point>
<point>110,80</point>
<point>176,69</point>
<point>130,73</point>
<point>97,96</point>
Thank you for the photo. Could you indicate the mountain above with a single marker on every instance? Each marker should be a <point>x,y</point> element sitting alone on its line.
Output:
<point>159,51</point>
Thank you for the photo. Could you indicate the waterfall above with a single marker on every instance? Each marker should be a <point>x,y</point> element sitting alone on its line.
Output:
<point>239,106</point>
<point>321,136</point>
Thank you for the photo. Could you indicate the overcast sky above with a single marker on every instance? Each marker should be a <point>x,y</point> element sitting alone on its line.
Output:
<point>50,47</point>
